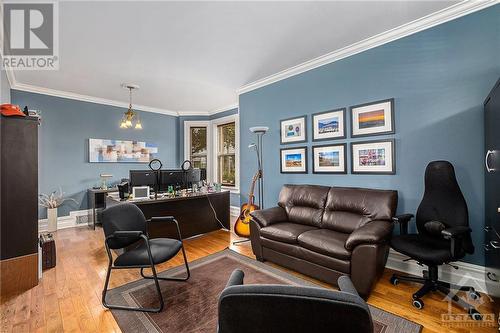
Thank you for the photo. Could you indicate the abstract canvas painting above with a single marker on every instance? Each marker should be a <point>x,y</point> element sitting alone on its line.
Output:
<point>121,151</point>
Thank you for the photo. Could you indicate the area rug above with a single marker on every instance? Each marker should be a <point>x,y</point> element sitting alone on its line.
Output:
<point>192,306</point>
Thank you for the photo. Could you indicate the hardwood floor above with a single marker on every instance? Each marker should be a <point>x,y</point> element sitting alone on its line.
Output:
<point>68,297</point>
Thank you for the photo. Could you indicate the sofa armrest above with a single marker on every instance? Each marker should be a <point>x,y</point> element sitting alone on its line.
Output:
<point>266,217</point>
<point>373,232</point>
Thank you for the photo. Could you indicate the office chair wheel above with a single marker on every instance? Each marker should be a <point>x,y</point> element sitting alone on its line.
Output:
<point>474,314</point>
<point>418,303</point>
<point>474,295</point>
<point>394,280</point>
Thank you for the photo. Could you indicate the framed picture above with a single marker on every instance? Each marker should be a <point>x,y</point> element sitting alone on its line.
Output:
<point>121,151</point>
<point>293,130</point>
<point>375,118</point>
<point>329,125</point>
<point>293,160</point>
<point>329,158</point>
<point>373,157</point>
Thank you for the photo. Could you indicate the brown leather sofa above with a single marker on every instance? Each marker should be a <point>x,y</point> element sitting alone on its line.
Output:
<point>326,232</point>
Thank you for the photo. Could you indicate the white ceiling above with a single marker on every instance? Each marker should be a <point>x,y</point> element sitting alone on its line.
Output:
<point>194,56</point>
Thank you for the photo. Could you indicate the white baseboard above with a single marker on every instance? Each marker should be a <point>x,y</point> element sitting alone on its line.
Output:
<point>466,274</point>
<point>64,222</point>
<point>234,210</point>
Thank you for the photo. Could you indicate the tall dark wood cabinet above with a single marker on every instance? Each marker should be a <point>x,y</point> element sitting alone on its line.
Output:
<point>18,204</point>
<point>492,187</point>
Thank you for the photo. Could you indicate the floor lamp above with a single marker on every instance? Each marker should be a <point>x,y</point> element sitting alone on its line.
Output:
<point>260,131</point>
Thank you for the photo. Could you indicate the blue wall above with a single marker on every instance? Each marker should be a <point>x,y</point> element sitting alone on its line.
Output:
<point>235,198</point>
<point>439,79</point>
<point>63,143</point>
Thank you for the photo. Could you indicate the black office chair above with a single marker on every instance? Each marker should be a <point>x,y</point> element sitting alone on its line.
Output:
<point>284,309</point>
<point>443,235</point>
<point>126,227</point>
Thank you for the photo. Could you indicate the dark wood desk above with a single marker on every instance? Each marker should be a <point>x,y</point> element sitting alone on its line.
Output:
<point>193,212</point>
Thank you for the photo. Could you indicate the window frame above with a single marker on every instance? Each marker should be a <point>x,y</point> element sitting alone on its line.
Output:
<point>188,124</point>
<point>212,140</point>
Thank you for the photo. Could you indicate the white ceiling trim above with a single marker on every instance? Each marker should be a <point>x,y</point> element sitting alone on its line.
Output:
<point>450,13</point>
<point>91,99</point>
<point>86,98</point>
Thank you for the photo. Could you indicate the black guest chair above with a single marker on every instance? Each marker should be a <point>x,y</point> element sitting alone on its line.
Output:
<point>443,235</point>
<point>285,309</point>
<point>125,227</point>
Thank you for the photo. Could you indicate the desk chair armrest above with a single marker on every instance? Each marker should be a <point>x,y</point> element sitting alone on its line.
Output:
<point>455,232</point>
<point>125,234</point>
<point>455,235</point>
<point>236,278</point>
<point>162,219</point>
<point>171,219</point>
<point>403,221</point>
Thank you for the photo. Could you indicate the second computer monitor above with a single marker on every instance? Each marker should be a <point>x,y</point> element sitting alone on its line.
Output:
<point>142,178</point>
<point>173,178</point>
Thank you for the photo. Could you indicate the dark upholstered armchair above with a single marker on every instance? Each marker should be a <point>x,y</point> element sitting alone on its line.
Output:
<point>326,232</point>
<point>281,308</point>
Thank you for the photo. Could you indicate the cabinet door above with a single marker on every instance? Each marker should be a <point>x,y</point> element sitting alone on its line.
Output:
<point>19,186</point>
<point>492,187</point>
<point>492,157</point>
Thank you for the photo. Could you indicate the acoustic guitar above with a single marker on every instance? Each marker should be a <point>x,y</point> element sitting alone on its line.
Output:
<point>242,225</point>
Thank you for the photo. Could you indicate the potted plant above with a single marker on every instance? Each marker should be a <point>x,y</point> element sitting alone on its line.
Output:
<point>51,202</point>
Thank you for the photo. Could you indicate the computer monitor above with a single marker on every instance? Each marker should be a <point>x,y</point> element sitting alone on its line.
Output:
<point>203,175</point>
<point>142,178</point>
<point>171,178</point>
<point>193,177</point>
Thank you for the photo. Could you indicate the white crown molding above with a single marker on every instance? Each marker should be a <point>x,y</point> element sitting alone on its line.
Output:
<point>91,99</point>
<point>223,109</point>
<point>86,98</point>
<point>450,13</point>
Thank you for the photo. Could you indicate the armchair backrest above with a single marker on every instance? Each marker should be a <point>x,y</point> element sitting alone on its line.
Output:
<point>443,201</point>
<point>348,208</point>
<point>122,217</point>
<point>304,204</point>
<point>280,308</point>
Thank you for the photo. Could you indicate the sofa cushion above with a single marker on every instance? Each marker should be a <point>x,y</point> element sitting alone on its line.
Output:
<point>297,251</point>
<point>285,232</point>
<point>304,204</point>
<point>327,242</point>
<point>347,209</point>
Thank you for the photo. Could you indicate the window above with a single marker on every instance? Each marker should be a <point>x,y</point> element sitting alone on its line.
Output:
<point>226,154</point>
<point>214,145</point>
<point>198,151</point>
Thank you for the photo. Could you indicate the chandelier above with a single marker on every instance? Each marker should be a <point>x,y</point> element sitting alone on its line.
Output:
<point>130,117</point>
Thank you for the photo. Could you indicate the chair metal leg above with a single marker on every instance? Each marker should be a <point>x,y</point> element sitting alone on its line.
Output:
<point>171,278</point>
<point>408,278</point>
<point>129,308</point>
